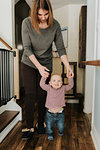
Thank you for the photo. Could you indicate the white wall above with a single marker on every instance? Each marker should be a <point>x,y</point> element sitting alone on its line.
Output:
<point>68,16</point>
<point>95,132</point>
<point>7,22</point>
<point>7,34</point>
<point>96,119</point>
<point>90,55</point>
<point>92,89</point>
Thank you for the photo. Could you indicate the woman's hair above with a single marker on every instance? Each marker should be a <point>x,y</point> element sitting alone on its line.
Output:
<point>37,4</point>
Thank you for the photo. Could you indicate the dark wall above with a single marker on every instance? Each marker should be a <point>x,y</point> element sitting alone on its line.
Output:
<point>22,11</point>
<point>82,35</point>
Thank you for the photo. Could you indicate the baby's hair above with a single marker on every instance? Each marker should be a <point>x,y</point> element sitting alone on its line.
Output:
<point>53,74</point>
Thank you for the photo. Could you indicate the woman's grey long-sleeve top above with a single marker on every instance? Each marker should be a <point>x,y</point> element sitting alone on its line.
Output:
<point>41,44</point>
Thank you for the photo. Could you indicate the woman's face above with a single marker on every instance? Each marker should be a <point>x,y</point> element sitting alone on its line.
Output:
<point>43,15</point>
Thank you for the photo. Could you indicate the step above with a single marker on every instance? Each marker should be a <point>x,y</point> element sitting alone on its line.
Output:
<point>6,117</point>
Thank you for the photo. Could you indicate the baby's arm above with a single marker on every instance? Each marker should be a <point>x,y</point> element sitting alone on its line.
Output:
<point>70,84</point>
<point>43,85</point>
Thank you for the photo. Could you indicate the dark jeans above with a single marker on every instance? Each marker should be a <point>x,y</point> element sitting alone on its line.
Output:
<point>31,80</point>
<point>55,118</point>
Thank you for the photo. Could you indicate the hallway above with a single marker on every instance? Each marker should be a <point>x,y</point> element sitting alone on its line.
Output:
<point>76,135</point>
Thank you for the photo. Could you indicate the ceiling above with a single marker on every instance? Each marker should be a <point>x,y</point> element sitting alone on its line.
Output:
<point>60,3</point>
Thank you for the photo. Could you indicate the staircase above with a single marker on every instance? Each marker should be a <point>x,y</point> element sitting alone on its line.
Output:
<point>10,114</point>
<point>10,111</point>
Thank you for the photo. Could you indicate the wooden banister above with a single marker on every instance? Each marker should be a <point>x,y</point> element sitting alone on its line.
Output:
<point>92,62</point>
<point>5,44</point>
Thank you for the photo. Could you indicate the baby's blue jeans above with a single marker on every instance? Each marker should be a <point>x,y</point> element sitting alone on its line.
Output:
<point>55,118</point>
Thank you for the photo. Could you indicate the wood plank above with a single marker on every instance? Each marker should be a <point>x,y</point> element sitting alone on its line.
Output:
<point>76,134</point>
<point>12,137</point>
<point>38,148</point>
<point>92,62</point>
<point>6,117</point>
<point>58,143</point>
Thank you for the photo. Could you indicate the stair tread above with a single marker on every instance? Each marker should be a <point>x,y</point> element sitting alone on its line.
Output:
<point>6,117</point>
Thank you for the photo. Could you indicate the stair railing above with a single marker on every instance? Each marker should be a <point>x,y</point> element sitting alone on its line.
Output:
<point>15,66</point>
<point>5,44</point>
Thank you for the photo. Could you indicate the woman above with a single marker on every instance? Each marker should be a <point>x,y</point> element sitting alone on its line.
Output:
<point>38,33</point>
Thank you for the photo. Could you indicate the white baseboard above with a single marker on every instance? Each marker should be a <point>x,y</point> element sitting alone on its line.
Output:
<point>95,137</point>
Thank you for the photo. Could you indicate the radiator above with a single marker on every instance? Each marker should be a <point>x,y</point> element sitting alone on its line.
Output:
<point>6,76</point>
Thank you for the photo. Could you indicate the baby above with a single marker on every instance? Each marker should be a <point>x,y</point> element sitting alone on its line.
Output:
<point>55,102</point>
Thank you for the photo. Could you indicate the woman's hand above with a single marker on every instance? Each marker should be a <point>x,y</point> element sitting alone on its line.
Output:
<point>69,72</point>
<point>44,71</point>
<point>66,63</point>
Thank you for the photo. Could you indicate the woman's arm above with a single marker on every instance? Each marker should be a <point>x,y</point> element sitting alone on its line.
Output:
<point>43,70</point>
<point>28,49</point>
<point>66,63</point>
<point>61,49</point>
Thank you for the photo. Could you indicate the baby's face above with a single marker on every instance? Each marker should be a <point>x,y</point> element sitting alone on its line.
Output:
<point>56,81</point>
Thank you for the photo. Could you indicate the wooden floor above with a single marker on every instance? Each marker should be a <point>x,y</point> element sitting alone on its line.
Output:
<point>76,135</point>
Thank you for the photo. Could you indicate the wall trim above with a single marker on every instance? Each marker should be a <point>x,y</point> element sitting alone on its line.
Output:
<point>95,137</point>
